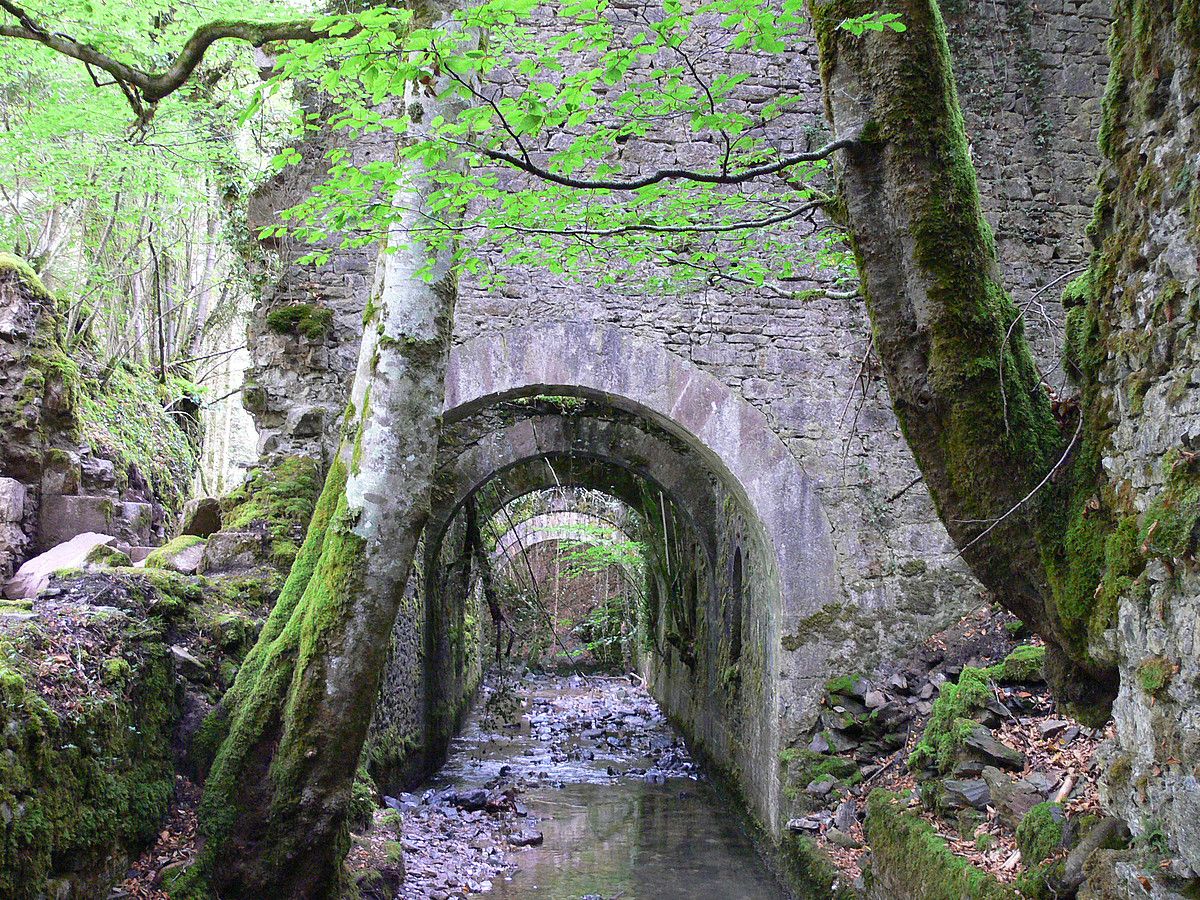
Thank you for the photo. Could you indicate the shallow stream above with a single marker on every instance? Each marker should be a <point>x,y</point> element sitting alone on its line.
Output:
<point>605,780</point>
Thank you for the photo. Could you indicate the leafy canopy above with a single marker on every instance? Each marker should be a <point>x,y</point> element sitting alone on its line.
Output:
<point>559,104</point>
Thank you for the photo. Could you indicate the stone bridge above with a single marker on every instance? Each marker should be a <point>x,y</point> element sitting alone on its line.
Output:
<point>751,424</point>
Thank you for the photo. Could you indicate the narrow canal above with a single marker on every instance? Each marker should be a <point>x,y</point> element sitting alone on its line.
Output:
<point>573,788</point>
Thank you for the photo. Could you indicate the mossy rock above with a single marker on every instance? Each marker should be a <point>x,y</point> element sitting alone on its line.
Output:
<point>174,554</point>
<point>1041,832</point>
<point>279,500</point>
<point>82,784</point>
<point>953,719</point>
<point>106,555</point>
<point>1023,666</point>
<point>910,859</point>
<point>1154,674</point>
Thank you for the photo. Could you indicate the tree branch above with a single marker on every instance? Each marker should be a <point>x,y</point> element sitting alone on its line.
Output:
<point>633,184</point>
<point>142,88</point>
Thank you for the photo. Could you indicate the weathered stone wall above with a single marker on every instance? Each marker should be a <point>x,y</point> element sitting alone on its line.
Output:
<point>1136,331</point>
<point>1030,78</point>
<point>80,449</point>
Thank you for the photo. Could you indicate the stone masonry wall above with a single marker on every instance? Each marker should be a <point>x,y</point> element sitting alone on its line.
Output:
<point>1140,321</point>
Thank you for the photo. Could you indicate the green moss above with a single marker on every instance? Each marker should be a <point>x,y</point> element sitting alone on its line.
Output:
<point>105,555</point>
<point>952,720</point>
<point>160,556</point>
<point>25,272</point>
<point>308,319</point>
<point>810,871</point>
<point>279,499</point>
<point>281,681</point>
<point>364,800</point>
<point>1022,666</point>
<point>123,419</point>
<point>1169,525</point>
<point>81,783</point>
<point>1039,882</point>
<point>917,861</point>
<point>1040,833</point>
<point>843,684</point>
<point>802,767</point>
<point>1154,674</point>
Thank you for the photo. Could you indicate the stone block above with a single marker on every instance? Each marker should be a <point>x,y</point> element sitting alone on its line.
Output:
<point>232,551</point>
<point>35,573</point>
<point>12,500</point>
<point>64,517</point>
<point>61,474</point>
<point>179,556</point>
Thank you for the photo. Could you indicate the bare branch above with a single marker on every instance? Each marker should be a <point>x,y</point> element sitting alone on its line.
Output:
<point>1041,484</point>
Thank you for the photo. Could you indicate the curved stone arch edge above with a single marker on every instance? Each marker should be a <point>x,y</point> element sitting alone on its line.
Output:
<point>727,431</point>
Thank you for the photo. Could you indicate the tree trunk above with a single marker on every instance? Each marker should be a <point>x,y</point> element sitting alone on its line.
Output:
<point>275,804</point>
<point>963,383</point>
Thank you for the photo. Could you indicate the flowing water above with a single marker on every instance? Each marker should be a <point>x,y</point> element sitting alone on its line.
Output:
<point>622,810</point>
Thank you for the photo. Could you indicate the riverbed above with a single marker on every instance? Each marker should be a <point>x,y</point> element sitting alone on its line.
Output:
<point>562,788</point>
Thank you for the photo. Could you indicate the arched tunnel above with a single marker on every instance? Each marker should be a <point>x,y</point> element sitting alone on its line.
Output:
<point>737,548</point>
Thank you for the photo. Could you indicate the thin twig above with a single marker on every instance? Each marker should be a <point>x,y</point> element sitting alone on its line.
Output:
<point>1027,497</point>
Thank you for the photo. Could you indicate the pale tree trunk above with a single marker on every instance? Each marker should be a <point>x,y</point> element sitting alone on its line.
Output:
<point>275,804</point>
<point>963,383</point>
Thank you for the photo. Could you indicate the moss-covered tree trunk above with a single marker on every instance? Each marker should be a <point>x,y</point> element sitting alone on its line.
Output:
<point>275,805</point>
<point>963,383</point>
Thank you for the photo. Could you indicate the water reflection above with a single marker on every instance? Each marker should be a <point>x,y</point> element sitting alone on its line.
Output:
<point>622,808</point>
<point>636,840</point>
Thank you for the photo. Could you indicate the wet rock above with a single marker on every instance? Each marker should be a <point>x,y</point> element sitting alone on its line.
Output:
<point>981,744</point>
<point>470,801</point>
<point>966,793</point>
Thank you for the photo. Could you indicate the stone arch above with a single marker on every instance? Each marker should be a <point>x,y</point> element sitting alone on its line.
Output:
<point>705,420</point>
<point>735,437</point>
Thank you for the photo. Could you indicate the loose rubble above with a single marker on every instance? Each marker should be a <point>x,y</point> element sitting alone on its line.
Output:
<point>870,728</point>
